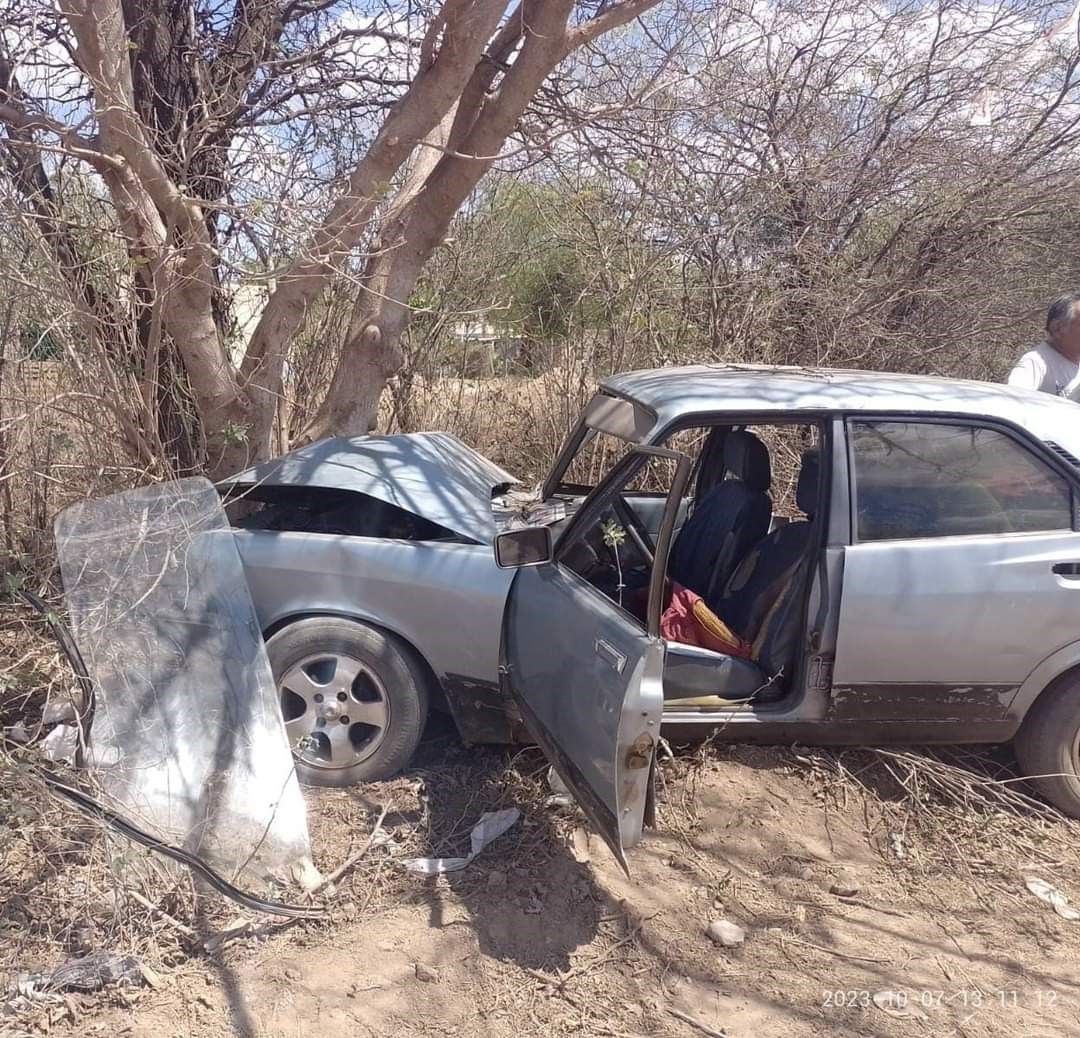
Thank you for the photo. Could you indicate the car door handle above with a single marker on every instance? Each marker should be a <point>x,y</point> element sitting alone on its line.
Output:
<point>1066,569</point>
<point>610,655</point>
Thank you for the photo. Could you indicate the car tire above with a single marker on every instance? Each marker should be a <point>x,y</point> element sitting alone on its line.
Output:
<point>1048,746</point>
<point>313,659</point>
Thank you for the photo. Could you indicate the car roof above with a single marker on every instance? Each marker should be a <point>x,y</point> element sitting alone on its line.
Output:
<point>682,392</point>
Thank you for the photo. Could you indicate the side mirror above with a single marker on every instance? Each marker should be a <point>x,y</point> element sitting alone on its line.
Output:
<point>530,546</point>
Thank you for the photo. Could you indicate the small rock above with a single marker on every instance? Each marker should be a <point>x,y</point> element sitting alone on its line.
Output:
<point>496,880</point>
<point>845,885</point>
<point>426,973</point>
<point>725,933</point>
<point>806,872</point>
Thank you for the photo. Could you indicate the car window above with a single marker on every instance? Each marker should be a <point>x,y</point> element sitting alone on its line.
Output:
<point>923,479</point>
<point>607,548</point>
<point>597,456</point>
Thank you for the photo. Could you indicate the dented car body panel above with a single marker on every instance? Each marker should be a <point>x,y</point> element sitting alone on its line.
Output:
<point>432,475</point>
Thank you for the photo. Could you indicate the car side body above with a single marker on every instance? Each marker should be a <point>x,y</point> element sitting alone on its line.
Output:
<point>950,636</point>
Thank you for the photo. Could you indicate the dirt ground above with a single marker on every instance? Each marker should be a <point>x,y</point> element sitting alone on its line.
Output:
<point>544,935</point>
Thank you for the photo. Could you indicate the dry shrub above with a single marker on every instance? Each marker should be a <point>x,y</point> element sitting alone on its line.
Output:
<point>58,444</point>
<point>518,421</point>
<point>67,885</point>
<point>953,810</point>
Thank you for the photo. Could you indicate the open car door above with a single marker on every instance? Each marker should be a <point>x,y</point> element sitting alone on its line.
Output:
<point>582,654</point>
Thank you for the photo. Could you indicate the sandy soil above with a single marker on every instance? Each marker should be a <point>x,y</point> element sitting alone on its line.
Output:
<point>544,934</point>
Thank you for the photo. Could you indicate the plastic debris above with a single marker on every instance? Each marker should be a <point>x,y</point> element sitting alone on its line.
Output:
<point>61,743</point>
<point>725,933</point>
<point>90,972</point>
<point>491,826</point>
<point>58,711</point>
<point>560,795</point>
<point>1053,897</point>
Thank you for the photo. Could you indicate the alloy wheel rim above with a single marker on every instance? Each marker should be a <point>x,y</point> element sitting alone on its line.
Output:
<point>336,710</point>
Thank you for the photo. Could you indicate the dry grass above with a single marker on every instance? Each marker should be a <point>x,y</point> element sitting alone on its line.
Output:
<point>956,810</point>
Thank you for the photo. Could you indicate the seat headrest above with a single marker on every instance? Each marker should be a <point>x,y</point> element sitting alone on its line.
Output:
<point>746,458</point>
<point>806,489</point>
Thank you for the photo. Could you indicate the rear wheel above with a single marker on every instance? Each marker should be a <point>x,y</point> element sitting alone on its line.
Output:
<point>1048,746</point>
<point>354,700</point>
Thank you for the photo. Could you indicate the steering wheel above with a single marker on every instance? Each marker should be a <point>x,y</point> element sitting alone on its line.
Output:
<point>633,525</point>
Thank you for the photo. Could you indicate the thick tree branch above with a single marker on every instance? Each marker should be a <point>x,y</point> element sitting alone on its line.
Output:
<point>467,27</point>
<point>611,18</point>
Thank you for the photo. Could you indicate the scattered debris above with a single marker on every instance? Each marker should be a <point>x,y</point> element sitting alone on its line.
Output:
<point>61,744</point>
<point>492,825</point>
<point>1053,897</point>
<point>90,972</point>
<point>559,800</point>
<point>560,794</point>
<point>897,1003</point>
<point>725,933</point>
<point>58,711</point>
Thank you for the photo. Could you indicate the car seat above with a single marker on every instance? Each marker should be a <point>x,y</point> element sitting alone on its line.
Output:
<point>728,520</point>
<point>761,600</point>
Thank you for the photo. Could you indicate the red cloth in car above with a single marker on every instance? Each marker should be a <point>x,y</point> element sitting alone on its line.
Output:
<point>687,619</point>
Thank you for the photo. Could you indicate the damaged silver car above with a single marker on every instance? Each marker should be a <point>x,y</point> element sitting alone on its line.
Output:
<point>767,554</point>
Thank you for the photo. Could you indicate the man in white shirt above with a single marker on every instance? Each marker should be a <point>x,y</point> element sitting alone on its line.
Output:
<point>1053,366</point>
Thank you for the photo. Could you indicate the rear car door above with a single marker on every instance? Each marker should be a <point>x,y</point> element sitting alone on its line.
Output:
<point>582,654</point>
<point>962,575</point>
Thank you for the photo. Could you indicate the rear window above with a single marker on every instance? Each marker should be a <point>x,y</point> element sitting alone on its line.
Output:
<point>922,479</point>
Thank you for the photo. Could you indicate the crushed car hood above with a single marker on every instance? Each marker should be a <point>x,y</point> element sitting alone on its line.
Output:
<point>432,474</point>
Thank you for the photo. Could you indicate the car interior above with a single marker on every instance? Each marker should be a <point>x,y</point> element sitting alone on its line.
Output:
<point>741,555</point>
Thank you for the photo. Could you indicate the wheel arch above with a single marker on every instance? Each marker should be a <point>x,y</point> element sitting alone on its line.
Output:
<point>1060,666</point>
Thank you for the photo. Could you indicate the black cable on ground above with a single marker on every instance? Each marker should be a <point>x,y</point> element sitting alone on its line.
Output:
<point>87,803</point>
<point>218,882</point>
